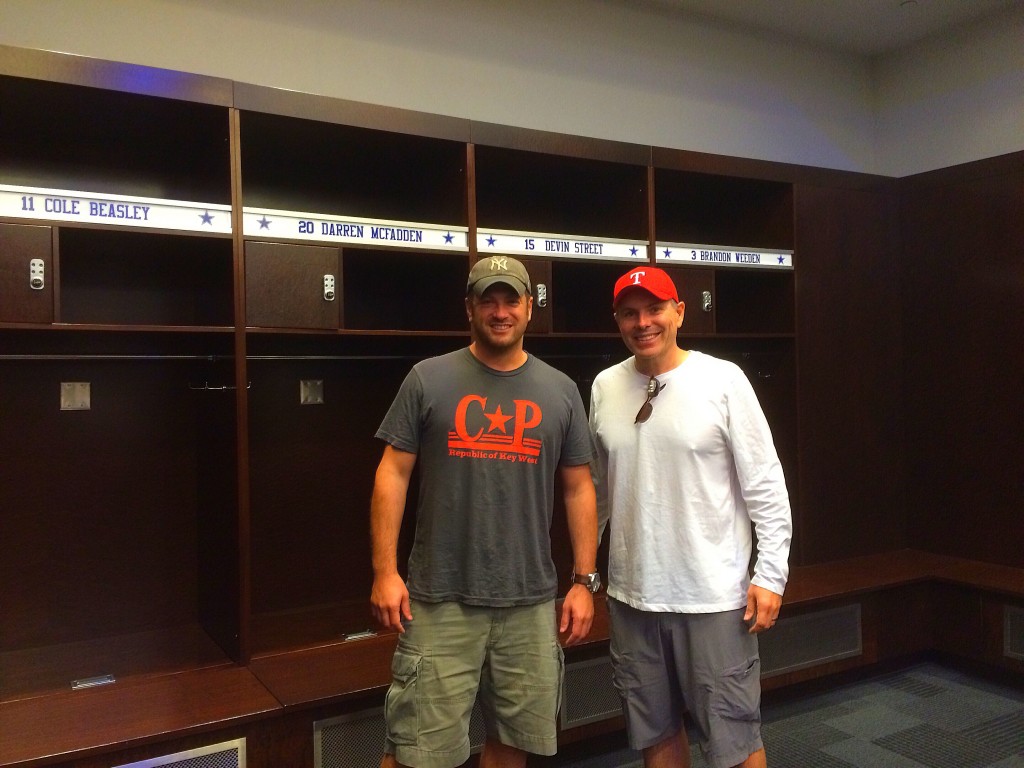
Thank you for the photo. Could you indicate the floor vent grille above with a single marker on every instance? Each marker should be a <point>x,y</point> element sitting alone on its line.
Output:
<point>810,639</point>
<point>228,754</point>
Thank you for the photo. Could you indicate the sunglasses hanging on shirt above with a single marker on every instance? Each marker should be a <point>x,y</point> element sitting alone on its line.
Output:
<point>653,388</point>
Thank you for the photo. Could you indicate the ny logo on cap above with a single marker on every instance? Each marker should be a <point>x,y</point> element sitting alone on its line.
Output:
<point>499,263</point>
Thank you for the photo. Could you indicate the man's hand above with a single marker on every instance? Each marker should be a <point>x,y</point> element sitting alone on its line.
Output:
<point>577,614</point>
<point>763,607</point>
<point>389,601</point>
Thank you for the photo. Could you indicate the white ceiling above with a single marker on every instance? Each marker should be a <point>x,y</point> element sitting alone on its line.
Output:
<point>863,27</point>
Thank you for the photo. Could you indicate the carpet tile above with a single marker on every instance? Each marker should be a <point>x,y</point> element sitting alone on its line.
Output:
<point>924,716</point>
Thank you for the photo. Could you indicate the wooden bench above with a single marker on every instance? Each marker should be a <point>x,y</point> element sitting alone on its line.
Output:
<point>908,601</point>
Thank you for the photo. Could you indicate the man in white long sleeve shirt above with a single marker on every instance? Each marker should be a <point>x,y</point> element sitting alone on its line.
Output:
<point>682,479</point>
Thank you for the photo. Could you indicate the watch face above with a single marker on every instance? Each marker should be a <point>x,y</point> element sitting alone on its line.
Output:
<point>592,581</point>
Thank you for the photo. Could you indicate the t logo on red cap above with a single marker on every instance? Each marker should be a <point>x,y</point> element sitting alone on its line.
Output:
<point>652,279</point>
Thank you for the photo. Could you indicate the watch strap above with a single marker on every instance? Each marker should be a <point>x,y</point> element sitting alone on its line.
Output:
<point>592,581</point>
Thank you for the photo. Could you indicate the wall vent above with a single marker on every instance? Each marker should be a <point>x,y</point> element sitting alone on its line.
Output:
<point>810,639</point>
<point>228,754</point>
<point>357,740</point>
<point>588,694</point>
<point>1013,631</point>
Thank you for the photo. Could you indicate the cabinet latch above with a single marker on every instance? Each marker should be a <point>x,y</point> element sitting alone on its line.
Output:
<point>35,274</point>
<point>542,295</point>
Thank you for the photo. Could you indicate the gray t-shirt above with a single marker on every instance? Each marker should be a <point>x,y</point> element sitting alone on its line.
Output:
<point>489,444</point>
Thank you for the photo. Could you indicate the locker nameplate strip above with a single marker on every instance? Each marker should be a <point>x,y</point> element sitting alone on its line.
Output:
<point>719,256</point>
<point>552,246</point>
<point>47,204</point>
<point>324,228</point>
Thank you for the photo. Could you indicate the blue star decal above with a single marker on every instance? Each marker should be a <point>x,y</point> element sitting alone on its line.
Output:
<point>490,240</point>
<point>633,250</point>
<point>206,217</point>
<point>782,259</point>
<point>264,223</point>
<point>668,253</point>
<point>448,238</point>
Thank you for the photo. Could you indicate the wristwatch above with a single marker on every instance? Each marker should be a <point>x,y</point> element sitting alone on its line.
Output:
<point>592,581</point>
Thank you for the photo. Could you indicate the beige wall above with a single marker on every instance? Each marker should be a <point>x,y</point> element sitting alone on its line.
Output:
<point>953,99</point>
<point>601,68</point>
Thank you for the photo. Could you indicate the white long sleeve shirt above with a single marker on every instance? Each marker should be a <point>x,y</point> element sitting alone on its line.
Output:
<point>682,489</point>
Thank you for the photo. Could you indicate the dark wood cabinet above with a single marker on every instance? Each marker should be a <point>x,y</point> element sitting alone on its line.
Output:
<point>754,303</point>
<point>696,287</point>
<point>577,206</point>
<point>115,129</point>
<point>961,280</point>
<point>720,210</point>
<point>235,281</point>
<point>739,228</point>
<point>305,159</point>
<point>543,295</point>
<point>293,286</point>
<point>26,274</point>
<point>405,292</point>
<point>534,182</point>
<point>119,502</point>
<point>235,284</point>
<point>114,278</point>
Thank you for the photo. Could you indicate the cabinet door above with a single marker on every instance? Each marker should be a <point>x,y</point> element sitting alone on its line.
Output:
<point>24,262</point>
<point>751,301</point>
<point>540,276</point>
<point>696,291</point>
<point>287,286</point>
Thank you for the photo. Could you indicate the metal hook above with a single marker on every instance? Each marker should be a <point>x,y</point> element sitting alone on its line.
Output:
<point>206,387</point>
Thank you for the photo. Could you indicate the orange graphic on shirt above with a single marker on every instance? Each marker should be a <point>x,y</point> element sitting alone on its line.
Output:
<point>495,439</point>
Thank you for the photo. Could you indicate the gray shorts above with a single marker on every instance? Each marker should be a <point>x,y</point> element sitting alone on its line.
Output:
<point>704,664</point>
<point>450,651</point>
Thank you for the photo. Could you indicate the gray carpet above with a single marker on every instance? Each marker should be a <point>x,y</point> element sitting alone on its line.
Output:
<point>924,716</point>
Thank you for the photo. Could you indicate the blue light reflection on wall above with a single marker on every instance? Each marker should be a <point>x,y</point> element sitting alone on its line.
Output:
<point>153,81</point>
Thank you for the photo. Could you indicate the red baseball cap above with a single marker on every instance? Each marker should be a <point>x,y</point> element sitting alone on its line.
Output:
<point>653,280</point>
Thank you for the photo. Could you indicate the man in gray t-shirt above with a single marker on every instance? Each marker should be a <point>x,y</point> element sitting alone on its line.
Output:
<point>490,426</point>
